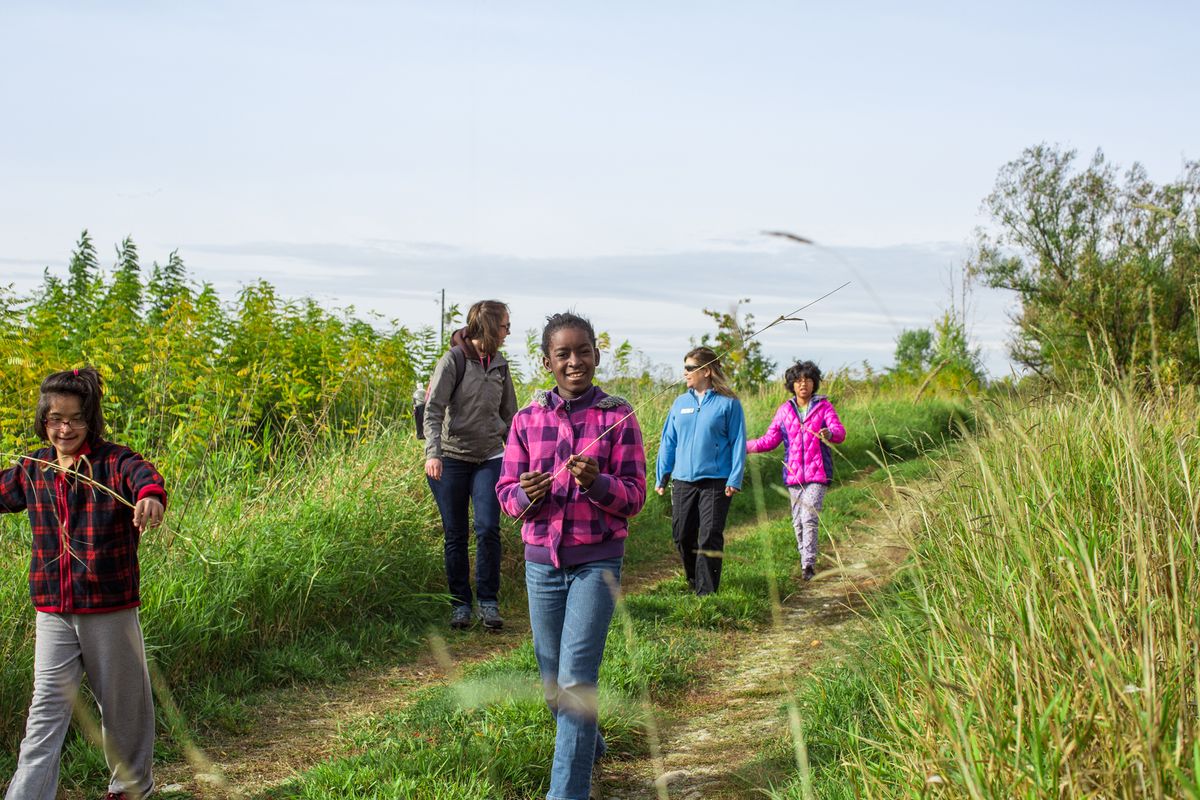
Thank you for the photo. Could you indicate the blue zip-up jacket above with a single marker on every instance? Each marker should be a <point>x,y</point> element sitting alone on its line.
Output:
<point>703,437</point>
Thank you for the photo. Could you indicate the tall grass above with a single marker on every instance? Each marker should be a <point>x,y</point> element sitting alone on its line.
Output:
<point>282,555</point>
<point>490,736</point>
<point>1045,641</point>
<point>326,540</point>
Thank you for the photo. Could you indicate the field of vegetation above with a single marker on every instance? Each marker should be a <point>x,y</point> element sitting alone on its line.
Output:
<point>1042,641</point>
<point>301,539</point>
<point>1045,639</point>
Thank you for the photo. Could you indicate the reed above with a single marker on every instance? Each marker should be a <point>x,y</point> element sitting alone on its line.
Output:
<point>1045,640</point>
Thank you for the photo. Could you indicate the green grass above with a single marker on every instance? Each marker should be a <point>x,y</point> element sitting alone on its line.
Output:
<point>1045,641</point>
<point>489,734</point>
<point>328,558</point>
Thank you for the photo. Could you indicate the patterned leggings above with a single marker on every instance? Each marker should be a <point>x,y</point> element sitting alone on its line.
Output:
<point>807,500</point>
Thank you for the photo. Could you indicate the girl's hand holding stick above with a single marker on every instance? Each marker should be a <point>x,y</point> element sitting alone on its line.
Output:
<point>584,468</point>
<point>535,485</point>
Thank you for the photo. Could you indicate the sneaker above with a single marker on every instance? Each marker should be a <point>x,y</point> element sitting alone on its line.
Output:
<point>809,572</point>
<point>460,617</point>
<point>489,615</point>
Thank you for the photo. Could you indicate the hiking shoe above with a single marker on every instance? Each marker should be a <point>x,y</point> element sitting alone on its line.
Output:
<point>489,615</point>
<point>809,572</point>
<point>460,618</point>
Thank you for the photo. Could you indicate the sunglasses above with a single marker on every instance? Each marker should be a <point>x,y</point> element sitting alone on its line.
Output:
<point>690,368</point>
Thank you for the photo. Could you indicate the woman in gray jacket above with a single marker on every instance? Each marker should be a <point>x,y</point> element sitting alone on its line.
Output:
<point>467,415</point>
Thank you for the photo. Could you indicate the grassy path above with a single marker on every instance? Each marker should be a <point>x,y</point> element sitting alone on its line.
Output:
<point>710,732</point>
<point>715,732</point>
<point>297,727</point>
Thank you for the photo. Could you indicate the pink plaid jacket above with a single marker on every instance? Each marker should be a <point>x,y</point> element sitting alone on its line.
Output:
<point>541,439</point>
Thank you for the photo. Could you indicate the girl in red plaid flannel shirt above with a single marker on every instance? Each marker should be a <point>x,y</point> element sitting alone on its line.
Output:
<point>574,471</point>
<point>83,580</point>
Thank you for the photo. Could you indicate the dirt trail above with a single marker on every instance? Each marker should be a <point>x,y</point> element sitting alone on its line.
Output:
<point>722,725</point>
<point>295,728</point>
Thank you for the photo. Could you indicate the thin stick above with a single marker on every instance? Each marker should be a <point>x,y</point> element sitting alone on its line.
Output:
<point>79,475</point>
<point>116,495</point>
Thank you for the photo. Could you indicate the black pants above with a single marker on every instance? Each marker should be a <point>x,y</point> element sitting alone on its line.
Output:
<point>698,511</point>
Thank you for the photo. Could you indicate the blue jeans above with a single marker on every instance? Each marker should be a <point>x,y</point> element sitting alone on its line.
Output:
<point>569,611</point>
<point>463,482</point>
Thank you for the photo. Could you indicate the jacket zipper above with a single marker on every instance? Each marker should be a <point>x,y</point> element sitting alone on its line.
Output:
<point>64,557</point>
<point>800,440</point>
<point>696,431</point>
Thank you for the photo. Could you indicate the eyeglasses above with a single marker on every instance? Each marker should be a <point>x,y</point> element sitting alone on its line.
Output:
<point>74,423</point>
<point>690,368</point>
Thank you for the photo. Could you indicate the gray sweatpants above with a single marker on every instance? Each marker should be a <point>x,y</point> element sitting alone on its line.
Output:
<point>110,649</point>
<point>807,500</point>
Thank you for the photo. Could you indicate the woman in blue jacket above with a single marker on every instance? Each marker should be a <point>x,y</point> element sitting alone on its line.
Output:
<point>702,454</point>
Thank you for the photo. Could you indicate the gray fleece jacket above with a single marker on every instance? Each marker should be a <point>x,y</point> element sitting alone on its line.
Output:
<point>473,425</point>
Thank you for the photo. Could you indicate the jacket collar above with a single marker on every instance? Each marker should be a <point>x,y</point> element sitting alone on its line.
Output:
<point>593,398</point>
<point>86,450</point>
<point>459,339</point>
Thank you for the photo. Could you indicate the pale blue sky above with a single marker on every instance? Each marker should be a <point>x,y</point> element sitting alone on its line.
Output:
<point>616,157</point>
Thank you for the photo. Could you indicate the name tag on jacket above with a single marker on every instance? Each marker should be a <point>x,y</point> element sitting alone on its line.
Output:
<point>688,410</point>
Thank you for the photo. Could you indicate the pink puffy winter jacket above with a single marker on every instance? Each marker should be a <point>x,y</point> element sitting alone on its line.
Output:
<point>806,458</point>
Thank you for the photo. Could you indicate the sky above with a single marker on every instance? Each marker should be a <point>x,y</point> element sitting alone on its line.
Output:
<point>619,158</point>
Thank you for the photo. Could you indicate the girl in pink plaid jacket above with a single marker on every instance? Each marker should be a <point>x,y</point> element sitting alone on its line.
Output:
<point>574,472</point>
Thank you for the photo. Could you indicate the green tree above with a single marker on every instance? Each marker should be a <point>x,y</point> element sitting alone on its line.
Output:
<point>167,284</point>
<point>1104,264</point>
<point>742,356</point>
<point>124,296</point>
<point>952,352</point>
<point>190,375</point>
<point>914,351</point>
<point>84,274</point>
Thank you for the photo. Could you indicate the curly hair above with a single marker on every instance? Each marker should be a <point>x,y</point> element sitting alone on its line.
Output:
<point>802,369</point>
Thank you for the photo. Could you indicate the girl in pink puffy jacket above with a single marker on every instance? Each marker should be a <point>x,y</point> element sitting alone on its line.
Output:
<point>807,425</point>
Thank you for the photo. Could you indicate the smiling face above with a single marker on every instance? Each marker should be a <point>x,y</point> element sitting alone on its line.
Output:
<point>573,360</point>
<point>65,425</point>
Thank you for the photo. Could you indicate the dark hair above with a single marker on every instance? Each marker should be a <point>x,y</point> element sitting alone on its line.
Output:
<point>483,323</point>
<point>567,319</point>
<point>802,369</point>
<point>86,384</point>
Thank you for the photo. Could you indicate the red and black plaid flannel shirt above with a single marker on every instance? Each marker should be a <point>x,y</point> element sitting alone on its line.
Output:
<point>84,542</point>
